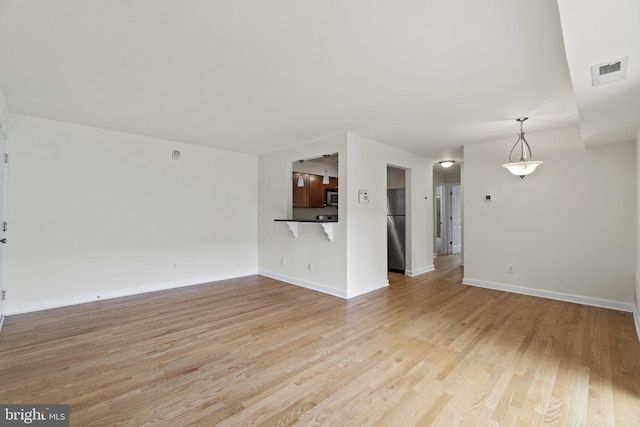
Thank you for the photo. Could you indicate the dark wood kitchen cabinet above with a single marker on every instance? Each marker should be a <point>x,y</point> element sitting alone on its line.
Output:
<point>333,183</point>
<point>300,194</point>
<point>314,193</point>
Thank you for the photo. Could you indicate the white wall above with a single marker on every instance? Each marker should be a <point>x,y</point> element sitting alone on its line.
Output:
<point>356,261</point>
<point>396,178</point>
<point>367,223</point>
<point>445,178</point>
<point>4,109</point>
<point>96,214</point>
<point>329,258</point>
<point>638,230</point>
<point>568,228</point>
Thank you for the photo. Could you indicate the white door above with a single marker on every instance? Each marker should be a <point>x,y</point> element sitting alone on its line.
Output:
<point>3,188</point>
<point>456,220</point>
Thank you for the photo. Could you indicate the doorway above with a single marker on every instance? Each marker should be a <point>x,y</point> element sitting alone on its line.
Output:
<point>448,218</point>
<point>396,220</point>
<point>456,220</point>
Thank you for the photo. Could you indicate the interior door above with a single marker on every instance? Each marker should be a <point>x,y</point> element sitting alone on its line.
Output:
<point>3,227</point>
<point>456,220</point>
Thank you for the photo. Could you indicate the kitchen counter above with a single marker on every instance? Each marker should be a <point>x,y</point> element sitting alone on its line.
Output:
<point>327,225</point>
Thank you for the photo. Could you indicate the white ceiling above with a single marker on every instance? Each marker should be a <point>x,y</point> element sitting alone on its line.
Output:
<point>598,32</point>
<point>258,76</point>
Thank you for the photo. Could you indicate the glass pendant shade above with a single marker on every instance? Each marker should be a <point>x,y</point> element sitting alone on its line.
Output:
<point>325,178</point>
<point>300,181</point>
<point>522,169</point>
<point>525,165</point>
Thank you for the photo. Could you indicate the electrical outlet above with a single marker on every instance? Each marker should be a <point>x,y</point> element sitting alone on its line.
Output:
<point>510,269</point>
<point>310,267</point>
<point>283,261</point>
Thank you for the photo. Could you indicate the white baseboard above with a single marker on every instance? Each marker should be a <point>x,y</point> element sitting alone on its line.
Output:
<point>578,299</point>
<point>418,271</point>
<point>372,287</point>
<point>324,289</point>
<point>303,283</point>
<point>32,306</point>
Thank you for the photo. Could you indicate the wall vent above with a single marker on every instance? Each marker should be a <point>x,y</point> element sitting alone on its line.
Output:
<point>609,72</point>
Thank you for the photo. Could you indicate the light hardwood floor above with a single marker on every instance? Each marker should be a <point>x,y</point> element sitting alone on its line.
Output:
<point>255,351</point>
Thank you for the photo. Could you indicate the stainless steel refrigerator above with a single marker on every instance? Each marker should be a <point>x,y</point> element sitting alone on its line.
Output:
<point>396,230</point>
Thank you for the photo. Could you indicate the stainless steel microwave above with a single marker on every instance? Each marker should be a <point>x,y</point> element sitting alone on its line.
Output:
<point>332,197</point>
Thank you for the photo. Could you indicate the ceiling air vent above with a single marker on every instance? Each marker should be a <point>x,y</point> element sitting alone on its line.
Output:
<point>609,72</point>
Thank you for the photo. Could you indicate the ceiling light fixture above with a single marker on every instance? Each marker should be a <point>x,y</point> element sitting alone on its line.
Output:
<point>447,163</point>
<point>524,166</point>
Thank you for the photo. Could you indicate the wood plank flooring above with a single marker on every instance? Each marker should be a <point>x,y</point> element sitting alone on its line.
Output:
<point>426,351</point>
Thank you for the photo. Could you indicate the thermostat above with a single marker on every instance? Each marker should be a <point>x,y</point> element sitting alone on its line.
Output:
<point>363,196</point>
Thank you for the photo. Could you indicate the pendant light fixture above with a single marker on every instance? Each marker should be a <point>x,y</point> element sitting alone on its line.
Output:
<point>325,178</point>
<point>300,178</point>
<point>524,166</point>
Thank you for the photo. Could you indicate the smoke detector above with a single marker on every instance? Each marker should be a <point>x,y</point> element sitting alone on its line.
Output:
<point>609,72</point>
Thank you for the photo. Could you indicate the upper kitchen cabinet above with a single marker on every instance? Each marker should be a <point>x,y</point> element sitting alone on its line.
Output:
<point>333,183</point>
<point>316,192</point>
<point>312,193</point>
<point>300,192</point>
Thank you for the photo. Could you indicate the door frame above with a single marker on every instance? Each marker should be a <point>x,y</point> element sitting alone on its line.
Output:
<point>451,232</point>
<point>447,231</point>
<point>3,210</point>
